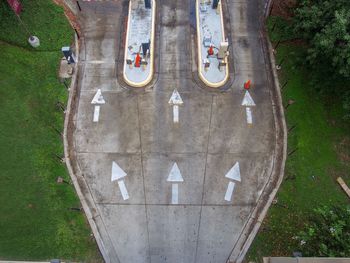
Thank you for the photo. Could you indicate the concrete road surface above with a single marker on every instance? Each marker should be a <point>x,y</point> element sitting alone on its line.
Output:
<point>136,130</point>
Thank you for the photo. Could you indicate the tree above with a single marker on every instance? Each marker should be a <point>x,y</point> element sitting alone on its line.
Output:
<point>327,234</point>
<point>326,27</point>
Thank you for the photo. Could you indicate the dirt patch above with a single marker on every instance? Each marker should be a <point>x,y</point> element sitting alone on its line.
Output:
<point>283,8</point>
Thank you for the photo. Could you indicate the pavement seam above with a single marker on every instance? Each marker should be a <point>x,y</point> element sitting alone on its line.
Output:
<point>205,173</point>
<point>143,177</point>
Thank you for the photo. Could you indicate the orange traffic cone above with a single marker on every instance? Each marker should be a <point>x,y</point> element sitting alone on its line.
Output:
<point>247,85</point>
<point>211,51</point>
<point>138,60</point>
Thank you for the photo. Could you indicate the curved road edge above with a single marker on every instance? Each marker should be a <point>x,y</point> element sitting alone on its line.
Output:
<point>80,185</point>
<point>270,190</point>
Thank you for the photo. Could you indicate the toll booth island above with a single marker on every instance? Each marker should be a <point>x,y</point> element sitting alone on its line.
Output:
<point>212,45</point>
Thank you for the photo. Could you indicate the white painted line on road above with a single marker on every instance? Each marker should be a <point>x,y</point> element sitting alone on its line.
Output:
<point>234,173</point>
<point>123,189</point>
<point>176,113</point>
<point>96,113</point>
<point>117,172</point>
<point>249,115</point>
<point>98,62</point>
<point>229,191</point>
<point>248,100</point>
<point>175,194</point>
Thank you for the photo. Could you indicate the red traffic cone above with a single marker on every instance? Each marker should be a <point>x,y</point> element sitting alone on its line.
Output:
<point>138,60</point>
<point>247,85</point>
<point>211,51</point>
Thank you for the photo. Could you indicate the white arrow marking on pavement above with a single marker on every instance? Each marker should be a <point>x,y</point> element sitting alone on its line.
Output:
<point>175,100</point>
<point>249,115</point>
<point>123,190</point>
<point>175,174</point>
<point>97,100</point>
<point>175,177</point>
<point>96,113</point>
<point>229,191</point>
<point>175,194</point>
<point>176,113</point>
<point>234,174</point>
<point>248,102</point>
<point>119,174</point>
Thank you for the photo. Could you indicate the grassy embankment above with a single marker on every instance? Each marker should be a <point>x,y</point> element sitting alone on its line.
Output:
<point>35,220</point>
<point>322,140</point>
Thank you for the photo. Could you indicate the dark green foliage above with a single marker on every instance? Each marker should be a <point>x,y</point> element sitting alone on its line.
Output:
<point>280,29</point>
<point>323,142</point>
<point>325,26</point>
<point>327,234</point>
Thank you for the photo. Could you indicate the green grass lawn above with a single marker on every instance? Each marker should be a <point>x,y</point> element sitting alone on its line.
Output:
<point>35,220</point>
<point>41,18</point>
<point>322,140</point>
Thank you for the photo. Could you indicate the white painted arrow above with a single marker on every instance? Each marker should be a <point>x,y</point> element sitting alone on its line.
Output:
<point>97,101</point>
<point>118,174</point>
<point>175,100</point>
<point>98,98</point>
<point>175,177</point>
<point>248,102</point>
<point>234,174</point>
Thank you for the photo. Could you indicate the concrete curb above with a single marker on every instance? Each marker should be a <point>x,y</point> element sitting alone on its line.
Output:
<point>199,66</point>
<point>78,179</point>
<point>151,73</point>
<point>280,155</point>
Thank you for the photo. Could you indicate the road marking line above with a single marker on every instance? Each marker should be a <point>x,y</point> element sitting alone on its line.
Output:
<point>176,113</point>
<point>123,189</point>
<point>229,191</point>
<point>249,115</point>
<point>96,113</point>
<point>175,194</point>
<point>98,62</point>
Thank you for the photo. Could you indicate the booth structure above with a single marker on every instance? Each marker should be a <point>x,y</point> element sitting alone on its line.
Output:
<point>139,44</point>
<point>212,45</point>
